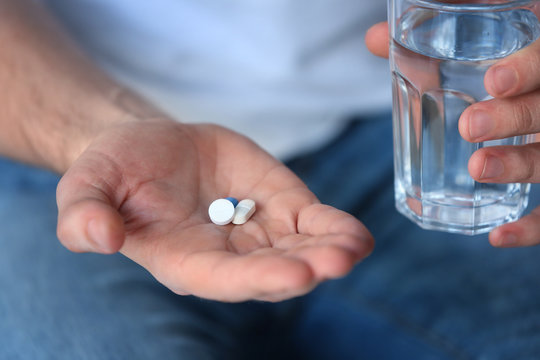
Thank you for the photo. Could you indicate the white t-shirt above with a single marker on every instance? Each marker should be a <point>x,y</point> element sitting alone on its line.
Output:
<point>286,73</point>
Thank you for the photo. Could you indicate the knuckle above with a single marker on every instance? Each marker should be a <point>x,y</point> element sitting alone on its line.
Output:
<point>531,168</point>
<point>523,117</point>
<point>534,159</point>
<point>533,63</point>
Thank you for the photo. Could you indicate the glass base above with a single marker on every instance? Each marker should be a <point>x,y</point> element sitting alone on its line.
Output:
<point>466,220</point>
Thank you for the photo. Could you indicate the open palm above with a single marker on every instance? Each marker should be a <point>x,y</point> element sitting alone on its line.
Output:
<point>144,189</point>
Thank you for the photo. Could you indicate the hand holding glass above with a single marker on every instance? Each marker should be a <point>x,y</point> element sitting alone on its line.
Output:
<point>439,54</point>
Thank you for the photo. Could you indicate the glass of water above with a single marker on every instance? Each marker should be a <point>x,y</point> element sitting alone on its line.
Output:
<point>439,54</point>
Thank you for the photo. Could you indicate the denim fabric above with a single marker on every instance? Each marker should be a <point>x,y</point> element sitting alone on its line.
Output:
<point>450,292</point>
<point>420,295</point>
<point>58,305</point>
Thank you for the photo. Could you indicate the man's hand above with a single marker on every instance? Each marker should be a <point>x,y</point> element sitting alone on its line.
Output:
<point>139,183</point>
<point>514,82</point>
<point>144,188</point>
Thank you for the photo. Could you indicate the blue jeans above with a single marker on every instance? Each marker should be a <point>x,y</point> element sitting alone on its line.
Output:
<point>420,295</point>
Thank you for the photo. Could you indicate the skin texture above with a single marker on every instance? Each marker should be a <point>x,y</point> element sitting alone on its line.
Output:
<point>514,82</point>
<point>137,182</point>
<point>152,206</point>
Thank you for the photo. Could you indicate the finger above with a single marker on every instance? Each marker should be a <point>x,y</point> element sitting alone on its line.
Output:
<point>87,221</point>
<point>281,297</point>
<point>516,74</point>
<point>524,232</point>
<point>377,39</point>
<point>501,118</point>
<point>225,276</point>
<point>506,164</point>
<point>319,219</point>
<point>327,261</point>
<point>354,244</point>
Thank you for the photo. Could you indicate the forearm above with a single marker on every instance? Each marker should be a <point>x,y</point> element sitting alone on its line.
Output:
<point>53,99</point>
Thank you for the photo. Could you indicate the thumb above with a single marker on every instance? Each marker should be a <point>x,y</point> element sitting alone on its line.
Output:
<point>377,39</point>
<point>87,219</point>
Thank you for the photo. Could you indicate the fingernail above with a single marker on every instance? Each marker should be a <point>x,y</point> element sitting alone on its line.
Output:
<point>95,234</point>
<point>504,79</point>
<point>508,240</point>
<point>493,167</point>
<point>480,124</point>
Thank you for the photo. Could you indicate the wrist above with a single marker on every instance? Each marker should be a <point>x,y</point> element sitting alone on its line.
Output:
<point>75,128</point>
<point>58,99</point>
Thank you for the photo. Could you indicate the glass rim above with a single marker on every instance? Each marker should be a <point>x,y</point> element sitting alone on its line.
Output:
<point>437,5</point>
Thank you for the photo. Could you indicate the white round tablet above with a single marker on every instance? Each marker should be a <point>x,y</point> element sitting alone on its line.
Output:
<point>221,211</point>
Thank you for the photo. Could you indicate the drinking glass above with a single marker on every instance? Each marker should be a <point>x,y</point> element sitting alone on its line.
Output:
<point>439,54</point>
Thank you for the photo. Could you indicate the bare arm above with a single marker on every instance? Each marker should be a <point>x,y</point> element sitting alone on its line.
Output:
<point>53,99</point>
<point>143,187</point>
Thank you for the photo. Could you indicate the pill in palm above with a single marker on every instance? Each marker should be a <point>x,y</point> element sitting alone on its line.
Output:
<point>244,210</point>
<point>221,211</point>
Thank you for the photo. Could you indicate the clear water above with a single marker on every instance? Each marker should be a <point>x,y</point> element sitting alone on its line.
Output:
<point>438,62</point>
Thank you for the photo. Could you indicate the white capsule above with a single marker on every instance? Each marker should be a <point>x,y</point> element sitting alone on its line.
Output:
<point>221,211</point>
<point>243,211</point>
